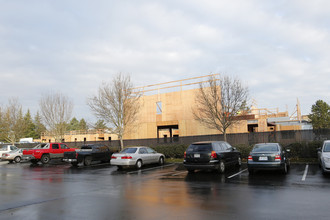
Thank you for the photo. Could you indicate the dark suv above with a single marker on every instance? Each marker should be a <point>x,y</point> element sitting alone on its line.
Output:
<point>216,155</point>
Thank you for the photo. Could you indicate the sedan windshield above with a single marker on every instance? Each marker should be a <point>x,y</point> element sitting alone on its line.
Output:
<point>129,150</point>
<point>265,148</point>
<point>326,147</point>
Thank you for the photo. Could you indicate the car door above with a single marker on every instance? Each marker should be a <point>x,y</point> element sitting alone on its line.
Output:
<point>153,156</point>
<point>143,153</point>
<point>56,151</point>
<point>233,154</point>
<point>227,154</point>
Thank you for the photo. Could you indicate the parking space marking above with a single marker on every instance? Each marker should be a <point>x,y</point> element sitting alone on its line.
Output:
<point>242,171</point>
<point>154,168</point>
<point>175,174</point>
<point>305,173</point>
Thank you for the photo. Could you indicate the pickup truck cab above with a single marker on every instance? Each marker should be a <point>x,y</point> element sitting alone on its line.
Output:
<point>7,149</point>
<point>46,152</point>
<point>87,154</point>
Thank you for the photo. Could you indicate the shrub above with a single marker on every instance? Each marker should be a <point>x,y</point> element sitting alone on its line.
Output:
<point>171,151</point>
<point>304,150</point>
<point>245,149</point>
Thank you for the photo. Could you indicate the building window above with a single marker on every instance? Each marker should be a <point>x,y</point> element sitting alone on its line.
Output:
<point>159,108</point>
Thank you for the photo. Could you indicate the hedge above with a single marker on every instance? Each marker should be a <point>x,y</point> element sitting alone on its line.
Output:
<point>171,151</point>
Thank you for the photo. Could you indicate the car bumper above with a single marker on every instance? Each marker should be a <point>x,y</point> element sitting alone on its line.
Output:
<point>212,165</point>
<point>70,160</point>
<point>122,162</point>
<point>28,157</point>
<point>326,167</point>
<point>265,165</point>
<point>6,159</point>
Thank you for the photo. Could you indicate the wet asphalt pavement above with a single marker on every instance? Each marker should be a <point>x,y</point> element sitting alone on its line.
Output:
<point>59,191</point>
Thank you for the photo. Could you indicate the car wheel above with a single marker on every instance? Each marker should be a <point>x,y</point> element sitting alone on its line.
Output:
<point>222,167</point>
<point>239,161</point>
<point>138,164</point>
<point>45,159</point>
<point>285,168</point>
<point>87,161</point>
<point>161,161</point>
<point>17,159</point>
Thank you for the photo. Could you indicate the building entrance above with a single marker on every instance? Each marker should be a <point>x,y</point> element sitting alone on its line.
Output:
<point>168,133</point>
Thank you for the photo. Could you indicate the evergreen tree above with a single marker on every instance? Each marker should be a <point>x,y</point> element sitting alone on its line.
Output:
<point>100,124</point>
<point>83,125</point>
<point>39,127</point>
<point>320,116</point>
<point>73,125</point>
<point>29,127</point>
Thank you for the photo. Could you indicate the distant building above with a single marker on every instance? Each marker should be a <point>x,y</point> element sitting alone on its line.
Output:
<point>166,113</point>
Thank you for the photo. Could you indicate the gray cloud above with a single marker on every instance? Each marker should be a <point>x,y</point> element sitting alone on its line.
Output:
<point>279,48</point>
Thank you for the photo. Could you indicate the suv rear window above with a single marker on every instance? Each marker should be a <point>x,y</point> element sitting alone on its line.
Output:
<point>199,147</point>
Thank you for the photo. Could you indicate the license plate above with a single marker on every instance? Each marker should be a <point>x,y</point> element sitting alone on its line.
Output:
<point>197,155</point>
<point>263,158</point>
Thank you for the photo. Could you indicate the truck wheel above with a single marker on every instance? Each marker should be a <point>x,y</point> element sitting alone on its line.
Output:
<point>87,161</point>
<point>17,159</point>
<point>45,158</point>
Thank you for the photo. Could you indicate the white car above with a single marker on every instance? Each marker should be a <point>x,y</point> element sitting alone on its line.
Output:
<point>7,149</point>
<point>15,155</point>
<point>136,156</point>
<point>324,157</point>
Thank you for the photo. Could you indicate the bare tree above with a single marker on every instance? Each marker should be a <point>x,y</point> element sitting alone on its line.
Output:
<point>117,104</point>
<point>12,121</point>
<point>56,110</point>
<point>219,101</point>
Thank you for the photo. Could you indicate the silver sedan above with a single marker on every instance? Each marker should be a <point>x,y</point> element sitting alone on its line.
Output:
<point>136,156</point>
<point>14,155</point>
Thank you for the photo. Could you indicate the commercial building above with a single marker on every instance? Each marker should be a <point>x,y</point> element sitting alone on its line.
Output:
<point>166,113</point>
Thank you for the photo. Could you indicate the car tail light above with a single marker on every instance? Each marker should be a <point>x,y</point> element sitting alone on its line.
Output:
<point>278,158</point>
<point>213,155</point>
<point>185,154</point>
<point>113,157</point>
<point>126,157</point>
<point>250,158</point>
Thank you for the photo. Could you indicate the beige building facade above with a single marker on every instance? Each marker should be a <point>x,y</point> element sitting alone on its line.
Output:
<point>166,113</point>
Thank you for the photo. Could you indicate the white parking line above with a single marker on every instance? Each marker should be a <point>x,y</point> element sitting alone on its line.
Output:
<point>175,174</point>
<point>242,171</point>
<point>305,173</point>
<point>154,168</point>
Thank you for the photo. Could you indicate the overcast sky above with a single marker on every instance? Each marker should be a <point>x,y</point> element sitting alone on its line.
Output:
<point>280,49</point>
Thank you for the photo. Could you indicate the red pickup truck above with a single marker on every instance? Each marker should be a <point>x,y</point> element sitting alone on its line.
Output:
<point>46,152</point>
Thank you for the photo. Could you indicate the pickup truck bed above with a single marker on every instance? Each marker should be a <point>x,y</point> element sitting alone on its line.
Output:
<point>87,154</point>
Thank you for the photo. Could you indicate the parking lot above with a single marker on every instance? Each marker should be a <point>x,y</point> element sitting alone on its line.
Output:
<point>59,191</point>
